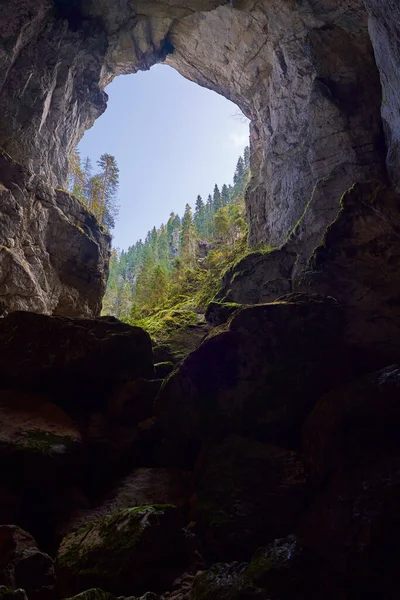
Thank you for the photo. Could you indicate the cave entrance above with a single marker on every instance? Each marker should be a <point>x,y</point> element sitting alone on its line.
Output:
<point>173,141</point>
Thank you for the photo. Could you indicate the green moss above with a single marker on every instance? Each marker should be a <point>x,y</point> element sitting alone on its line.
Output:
<point>45,442</point>
<point>119,534</point>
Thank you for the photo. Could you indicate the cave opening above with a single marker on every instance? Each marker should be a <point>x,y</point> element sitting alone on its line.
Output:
<point>181,155</point>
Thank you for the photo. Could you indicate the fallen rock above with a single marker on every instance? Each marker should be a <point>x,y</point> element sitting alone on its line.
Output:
<point>247,493</point>
<point>258,278</point>
<point>7,594</point>
<point>259,375</point>
<point>139,488</point>
<point>75,361</point>
<point>134,551</point>
<point>180,342</point>
<point>22,565</point>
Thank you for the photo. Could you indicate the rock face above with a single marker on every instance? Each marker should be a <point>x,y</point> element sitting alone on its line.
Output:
<point>53,253</point>
<point>304,74</point>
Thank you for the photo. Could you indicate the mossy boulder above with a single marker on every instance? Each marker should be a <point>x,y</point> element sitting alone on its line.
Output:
<point>133,551</point>
<point>173,346</point>
<point>8,594</point>
<point>247,493</point>
<point>259,277</point>
<point>218,313</point>
<point>282,569</point>
<point>259,375</point>
<point>98,594</point>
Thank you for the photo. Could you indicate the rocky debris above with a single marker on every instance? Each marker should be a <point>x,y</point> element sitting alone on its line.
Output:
<point>258,376</point>
<point>22,565</point>
<point>218,313</point>
<point>53,253</point>
<point>76,362</point>
<point>357,262</point>
<point>98,594</point>
<point>143,486</point>
<point>8,594</point>
<point>247,493</point>
<point>136,550</point>
<point>133,402</point>
<point>283,569</point>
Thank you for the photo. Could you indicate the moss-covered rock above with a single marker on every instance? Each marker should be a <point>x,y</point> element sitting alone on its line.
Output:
<point>9,594</point>
<point>247,493</point>
<point>128,552</point>
<point>93,594</point>
<point>283,570</point>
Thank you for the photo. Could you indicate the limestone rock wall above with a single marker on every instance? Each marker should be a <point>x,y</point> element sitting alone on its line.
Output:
<point>385,34</point>
<point>53,254</point>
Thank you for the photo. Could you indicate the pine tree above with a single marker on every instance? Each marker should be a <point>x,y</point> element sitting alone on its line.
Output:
<point>217,200</point>
<point>239,172</point>
<point>109,182</point>
<point>87,175</point>
<point>188,238</point>
<point>225,195</point>
<point>222,224</point>
<point>199,215</point>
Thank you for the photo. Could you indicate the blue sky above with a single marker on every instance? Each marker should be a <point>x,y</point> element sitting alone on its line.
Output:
<point>172,140</point>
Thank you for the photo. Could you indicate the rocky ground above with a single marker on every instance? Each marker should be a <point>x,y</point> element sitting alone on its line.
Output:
<point>265,465</point>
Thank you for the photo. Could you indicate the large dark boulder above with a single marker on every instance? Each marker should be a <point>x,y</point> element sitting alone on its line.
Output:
<point>76,361</point>
<point>258,376</point>
<point>351,441</point>
<point>247,493</point>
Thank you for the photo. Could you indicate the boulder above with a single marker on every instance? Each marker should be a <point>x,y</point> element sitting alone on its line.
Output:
<point>259,375</point>
<point>179,342</point>
<point>351,441</point>
<point>247,493</point>
<point>141,487</point>
<point>133,551</point>
<point>77,362</point>
<point>22,565</point>
<point>258,278</point>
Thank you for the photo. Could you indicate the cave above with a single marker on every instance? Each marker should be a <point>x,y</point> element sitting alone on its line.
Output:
<point>269,457</point>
